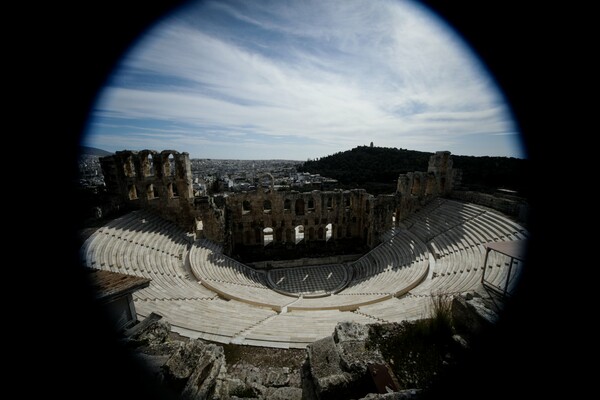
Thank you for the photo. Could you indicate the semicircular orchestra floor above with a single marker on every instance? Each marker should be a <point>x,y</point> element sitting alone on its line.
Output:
<point>309,281</point>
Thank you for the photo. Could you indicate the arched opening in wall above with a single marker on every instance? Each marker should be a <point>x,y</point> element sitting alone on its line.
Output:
<point>267,236</point>
<point>299,207</point>
<point>329,203</point>
<point>298,234</point>
<point>129,167</point>
<point>311,233</point>
<point>246,207</point>
<point>199,225</point>
<point>170,166</point>
<point>348,231</point>
<point>367,207</point>
<point>267,206</point>
<point>173,193</point>
<point>132,192</point>
<point>279,235</point>
<point>320,233</point>
<point>311,205</point>
<point>148,165</point>
<point>287,205</point>
<point>328,231</point>
<point>347,203</point>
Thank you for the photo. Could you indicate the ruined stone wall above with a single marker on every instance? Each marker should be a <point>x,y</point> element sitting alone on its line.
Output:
<point>418,188</point>
<point>266,224</point>
<point>149,179</point>
<point>210,219</point>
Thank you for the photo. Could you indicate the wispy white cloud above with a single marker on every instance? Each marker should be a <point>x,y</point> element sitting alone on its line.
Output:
<point>330,75</point>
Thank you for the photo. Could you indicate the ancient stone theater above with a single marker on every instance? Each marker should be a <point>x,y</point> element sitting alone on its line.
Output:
<point>280,268</point>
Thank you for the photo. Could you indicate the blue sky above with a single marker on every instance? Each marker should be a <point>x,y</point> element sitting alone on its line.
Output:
<point>301,79</point>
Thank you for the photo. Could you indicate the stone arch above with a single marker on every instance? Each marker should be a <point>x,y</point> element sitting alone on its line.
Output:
<point>246,207</point>
<point>272,184</point>
<point>287,205</point>
<point>147,162</point>
<point>267,237</point>
<point>311,204</point>
<point>168,163</point>
<point>298,233</point>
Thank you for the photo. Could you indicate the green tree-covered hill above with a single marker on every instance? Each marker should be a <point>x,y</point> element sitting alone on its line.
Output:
<point>377,168</point>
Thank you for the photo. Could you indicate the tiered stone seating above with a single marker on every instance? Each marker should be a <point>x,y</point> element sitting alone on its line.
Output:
<point>136,244</point>
<point>296,329</point>
<point>204,294</point>
<point>232,279</point>
<point>210,319</point>
<point>459,249</point>
<point>397,310</point>
<point>393,267</point>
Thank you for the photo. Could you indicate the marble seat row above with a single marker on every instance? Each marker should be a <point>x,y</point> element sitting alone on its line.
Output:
<point>136,244</point>
<point>397,309</point>
<point>210,319</point>
<point>296,329</point>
